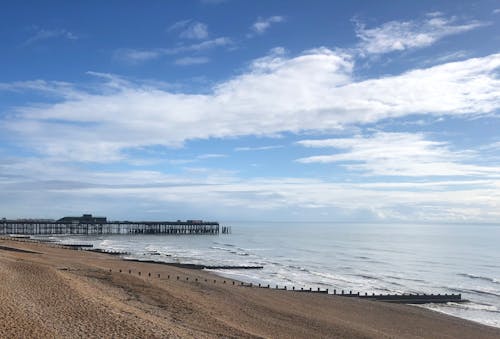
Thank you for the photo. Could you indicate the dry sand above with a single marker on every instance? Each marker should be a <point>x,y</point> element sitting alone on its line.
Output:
<point>62,293</point>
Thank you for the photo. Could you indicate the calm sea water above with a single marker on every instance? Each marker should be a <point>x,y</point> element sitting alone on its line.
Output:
<point>366,258</point>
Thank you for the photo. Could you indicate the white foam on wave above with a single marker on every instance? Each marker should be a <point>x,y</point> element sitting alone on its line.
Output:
<point>475,306</point>
<point>480,277</point>
<point>484,314</point>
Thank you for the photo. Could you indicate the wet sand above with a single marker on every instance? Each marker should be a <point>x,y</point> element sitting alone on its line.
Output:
<point>50,292</point>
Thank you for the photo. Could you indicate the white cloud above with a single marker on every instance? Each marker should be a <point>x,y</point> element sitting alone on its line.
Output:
<point>223,195</point>
<point>53,88</point>
<point>190,29</point>
<point>496,11</point>
<point>204,45</point>
<point>399,154</point>
<point>263,24</point>
<point>447,57</point>
<point>178,25</point>
<point>211,156</point>
<point>259,148</point>
<point>314,91</point>
<point>403,35</point>
<point>137,55</point>
<point>186,61</point>
<point>495,145</point>
<point>196,30</point>
<point>45,34</point>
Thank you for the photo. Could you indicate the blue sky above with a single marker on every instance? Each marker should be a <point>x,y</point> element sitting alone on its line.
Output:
<point>251,110</point>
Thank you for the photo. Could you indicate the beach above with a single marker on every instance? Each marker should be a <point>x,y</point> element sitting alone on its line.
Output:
<point>52,292</point>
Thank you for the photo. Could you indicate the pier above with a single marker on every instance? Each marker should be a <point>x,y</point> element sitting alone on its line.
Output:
<point>89,225</point>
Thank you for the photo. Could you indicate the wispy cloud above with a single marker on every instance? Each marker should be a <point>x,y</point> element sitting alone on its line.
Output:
<point>58,89</point>
<point>190,29</point>
<point>496,11</point>
<point>260,148</point>
<point>138,55</point>
<point>492,146</point>
<point>116,192</point>
<point>404,35</point>
<point>458,55</point>
<point>398,154</point>
<point>263,24</point>
<point>184,161</point>
<point>211,156</point>
<point>186,61</point>
<point>42,34</point>
<point>178,25</point>
<point>201,46</point>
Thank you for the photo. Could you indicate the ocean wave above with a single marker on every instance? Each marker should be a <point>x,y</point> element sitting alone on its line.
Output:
<point>220,248</point>
<point>474,291</point>
<point>367,260</point>
<point>346,268</point>
<point>366,276</point>
<point>496,294</point>
<point>338,280</point>
<point>300,268</point>
<point>406,279</point>
<point>475,306</point>
<point>223,244</point>
<point>479,277</point>
<point>458,310</point>
<point>239,251</point>
<point>395,283</point>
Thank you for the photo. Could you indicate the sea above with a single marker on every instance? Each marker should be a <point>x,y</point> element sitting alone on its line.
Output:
<point>372,258</point>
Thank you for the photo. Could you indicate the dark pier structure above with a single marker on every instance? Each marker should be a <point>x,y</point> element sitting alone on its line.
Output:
<point>90,225</point>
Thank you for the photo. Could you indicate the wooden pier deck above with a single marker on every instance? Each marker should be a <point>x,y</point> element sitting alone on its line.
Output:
<point>37,227</point>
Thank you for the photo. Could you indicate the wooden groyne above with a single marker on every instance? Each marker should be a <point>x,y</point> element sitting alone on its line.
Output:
<point>13,249</point>
<point>394,298</point>
<point>41,227</point>
<point>78,246</point>
<point>406,298</point>
<point>416,298</point>
<point>199,266</point>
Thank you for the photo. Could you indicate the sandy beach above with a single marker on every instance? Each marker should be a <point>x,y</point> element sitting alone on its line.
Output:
<point>52,292</point>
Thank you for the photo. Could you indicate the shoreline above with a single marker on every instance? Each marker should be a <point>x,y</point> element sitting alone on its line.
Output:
<point>107,302</point>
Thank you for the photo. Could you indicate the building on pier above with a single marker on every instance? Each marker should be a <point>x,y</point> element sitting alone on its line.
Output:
<point>84,219</point>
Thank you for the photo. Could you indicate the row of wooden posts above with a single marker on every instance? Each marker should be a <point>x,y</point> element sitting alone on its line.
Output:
<point>230,282</point>
<point>398,298</point>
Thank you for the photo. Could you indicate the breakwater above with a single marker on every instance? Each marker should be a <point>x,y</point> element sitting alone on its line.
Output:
<point>200,267</point>
<point>406,298</point>
<point>393,298</point>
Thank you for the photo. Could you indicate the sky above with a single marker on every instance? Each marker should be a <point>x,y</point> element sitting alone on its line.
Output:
<point>339,111</point>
